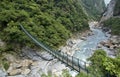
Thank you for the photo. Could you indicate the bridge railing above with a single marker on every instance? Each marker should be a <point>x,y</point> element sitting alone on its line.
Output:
<point>73,62</point>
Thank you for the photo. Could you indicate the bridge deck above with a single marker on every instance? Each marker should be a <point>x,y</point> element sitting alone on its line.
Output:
<point>71,61</point>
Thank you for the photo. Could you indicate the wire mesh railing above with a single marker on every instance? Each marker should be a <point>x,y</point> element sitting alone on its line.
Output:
<point>73,62</point>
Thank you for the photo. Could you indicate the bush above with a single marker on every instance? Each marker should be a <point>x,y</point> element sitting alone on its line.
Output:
<point>104,66</point>
<point>5,64</point>
<point>113,24</point>
<point>48,21</point>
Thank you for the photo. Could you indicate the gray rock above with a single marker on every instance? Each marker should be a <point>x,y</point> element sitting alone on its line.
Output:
<point>25,71</point>
<point>2,73</point>
<point>109,11</point>
<point>114,39</point>
<point>17,76</point>
<point>36,55</point>
<point>15,72</point>
<point>70,43</point>
<point>99,46</point>
<point>83,38</point>
<point>9,57</point>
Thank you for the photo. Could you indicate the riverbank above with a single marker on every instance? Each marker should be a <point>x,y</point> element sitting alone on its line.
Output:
<point>112,44</point>
<point>30,64</point>
<point>34,63</point>
<point>71,44</point>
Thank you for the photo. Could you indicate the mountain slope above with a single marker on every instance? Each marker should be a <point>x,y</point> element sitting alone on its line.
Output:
<point>94,8</point>
<point>51,21</point>
<point>117,9</point>
<point>111,17</point>
<point>109,11</point>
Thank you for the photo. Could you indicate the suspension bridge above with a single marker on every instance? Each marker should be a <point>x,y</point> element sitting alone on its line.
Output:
<point>71,61</point>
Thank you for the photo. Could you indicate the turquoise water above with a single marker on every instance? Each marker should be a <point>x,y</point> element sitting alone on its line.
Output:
<point>88,46</point>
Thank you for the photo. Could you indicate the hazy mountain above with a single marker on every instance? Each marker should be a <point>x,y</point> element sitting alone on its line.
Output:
<point>94,8</point>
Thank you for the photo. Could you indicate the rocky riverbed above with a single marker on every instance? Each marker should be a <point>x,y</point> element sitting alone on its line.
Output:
<point>31,64</point>
<point>71,44</point>
<point>34,63</point>
<point>112,44</point>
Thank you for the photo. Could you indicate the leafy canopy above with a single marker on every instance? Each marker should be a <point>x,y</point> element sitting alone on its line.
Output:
<point>51,21</point>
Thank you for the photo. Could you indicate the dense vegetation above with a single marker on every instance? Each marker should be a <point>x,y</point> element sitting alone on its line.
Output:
<point>66,73</point>
<point>51,21</point>
<point>94,8</point>
<point>113,24</point>
<point>107,66</point>
<point>104,66</point>
<point>117,8</point>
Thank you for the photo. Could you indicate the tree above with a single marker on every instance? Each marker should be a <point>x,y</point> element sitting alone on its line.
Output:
<point>102,65</point>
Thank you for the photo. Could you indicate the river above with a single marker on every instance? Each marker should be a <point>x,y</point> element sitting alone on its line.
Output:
<point>87,47</point>
<point>40,66</point>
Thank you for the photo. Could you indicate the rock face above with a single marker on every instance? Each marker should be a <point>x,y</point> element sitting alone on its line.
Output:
<point>117,8</point>
<point>36,55</point>
<point>31,64</point>
<point>109,11</point>
<point>94,7</point>
<point>2,73</point>
<point>19,67</point>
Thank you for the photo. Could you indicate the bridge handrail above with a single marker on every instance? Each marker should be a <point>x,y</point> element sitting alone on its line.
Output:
<point>73,62</point>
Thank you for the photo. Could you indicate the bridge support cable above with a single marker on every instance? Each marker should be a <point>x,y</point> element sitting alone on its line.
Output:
<point>71,61</point>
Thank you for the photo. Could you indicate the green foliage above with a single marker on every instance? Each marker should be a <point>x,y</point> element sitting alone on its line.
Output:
<point>103,65</point>
<point>5,64</point>
<point>94,8</point>
<point>97,60</point>
<point>117,8</point>
<point>49,75</point>
<point>113,24</point>
<point>52,22</point>
<point>118,53</point>
<point>83,75</point>
<point>65,73</point>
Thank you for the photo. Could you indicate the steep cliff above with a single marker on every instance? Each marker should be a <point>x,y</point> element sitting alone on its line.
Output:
<point>111,17</point>
<point>94,8</point>
<point>117,9</point>
<point>109,11</point>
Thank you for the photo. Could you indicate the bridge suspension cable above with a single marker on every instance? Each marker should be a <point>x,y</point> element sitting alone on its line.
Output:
<point>73,62</point>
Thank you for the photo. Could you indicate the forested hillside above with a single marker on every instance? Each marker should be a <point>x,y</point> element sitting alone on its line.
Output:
<point>51,21</point>
<point>117,8</point>
<point>106,65</point>
<point>113,22</point>
<point>94,8</point>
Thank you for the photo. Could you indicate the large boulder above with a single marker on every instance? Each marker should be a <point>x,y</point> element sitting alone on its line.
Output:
<point>115,39</point>
<point>19,67</point>
<point>25,71</point>
<point>26,63</point>
<point>15,72</point>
